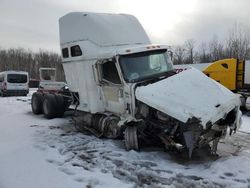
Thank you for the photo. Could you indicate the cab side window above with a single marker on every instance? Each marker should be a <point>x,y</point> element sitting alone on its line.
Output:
<point>75,51</point>
<point>109,72</point>
<point>65,52</point>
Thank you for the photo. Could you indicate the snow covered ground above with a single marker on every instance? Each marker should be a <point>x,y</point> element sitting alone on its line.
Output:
<point>40,153</point>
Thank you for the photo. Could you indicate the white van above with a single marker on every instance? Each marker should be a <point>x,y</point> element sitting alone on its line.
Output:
<point>14,83</point>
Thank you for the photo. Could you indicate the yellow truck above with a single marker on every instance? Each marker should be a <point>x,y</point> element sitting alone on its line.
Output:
<point>228,72</point>
<point>231,73</point>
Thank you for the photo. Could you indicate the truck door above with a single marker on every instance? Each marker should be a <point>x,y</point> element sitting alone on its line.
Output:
<point>112,88</point>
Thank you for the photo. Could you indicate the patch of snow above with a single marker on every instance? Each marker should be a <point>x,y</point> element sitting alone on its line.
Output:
<point>26,164</point>
<point>245,126</point>
<point>36,152</point>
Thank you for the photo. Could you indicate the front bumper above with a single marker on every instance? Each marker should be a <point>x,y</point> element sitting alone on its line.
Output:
<point>15,92</point>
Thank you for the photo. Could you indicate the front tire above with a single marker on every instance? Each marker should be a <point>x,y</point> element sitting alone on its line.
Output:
<point>131,138</point>
<point>37,103</point>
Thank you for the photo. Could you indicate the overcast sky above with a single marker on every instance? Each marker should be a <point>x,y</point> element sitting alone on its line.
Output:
<point>33,24</point>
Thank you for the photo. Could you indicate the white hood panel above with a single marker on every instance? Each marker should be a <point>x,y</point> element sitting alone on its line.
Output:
<point>189,94</point>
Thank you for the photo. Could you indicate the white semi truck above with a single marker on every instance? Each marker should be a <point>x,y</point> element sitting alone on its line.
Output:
<point>126,87</point>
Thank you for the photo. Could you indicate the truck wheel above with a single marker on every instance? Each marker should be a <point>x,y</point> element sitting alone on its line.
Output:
<point>60,105</point>
<point>67,103</point>
<point>131,139</point>
<point>247,104</point>
<point>49,106</point>
<point>37,103</point>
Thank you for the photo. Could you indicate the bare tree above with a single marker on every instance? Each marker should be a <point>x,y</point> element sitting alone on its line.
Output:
<point>203,54</point>
<point>237,45</point>
<point>26,60</point>
<point>216,49</point>
<point>238,42</point>
<point>190,45</point>
<point>178,55</point>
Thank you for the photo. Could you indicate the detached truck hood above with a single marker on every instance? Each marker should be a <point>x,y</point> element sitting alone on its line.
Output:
<point>189,94</point>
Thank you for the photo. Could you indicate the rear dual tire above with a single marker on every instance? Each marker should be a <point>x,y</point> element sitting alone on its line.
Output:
<point>37,103</point>
<point>60,105</point>
<point>51,105</point>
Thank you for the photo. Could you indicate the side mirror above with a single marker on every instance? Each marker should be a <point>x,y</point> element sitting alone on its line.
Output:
<point>170,54</point>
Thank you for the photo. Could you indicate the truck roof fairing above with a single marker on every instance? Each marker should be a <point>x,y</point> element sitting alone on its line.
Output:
<point>102,29</point>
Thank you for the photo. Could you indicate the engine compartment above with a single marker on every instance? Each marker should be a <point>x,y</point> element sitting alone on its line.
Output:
<point>159,128</point>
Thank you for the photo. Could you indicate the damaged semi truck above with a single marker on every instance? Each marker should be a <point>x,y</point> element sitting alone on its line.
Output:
<point>125,87</point>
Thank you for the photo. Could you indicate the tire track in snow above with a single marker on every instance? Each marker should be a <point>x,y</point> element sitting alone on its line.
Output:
<point>89,153</point>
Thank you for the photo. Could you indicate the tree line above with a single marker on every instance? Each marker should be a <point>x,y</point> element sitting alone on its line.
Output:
<point>27,60</point>
<point>236,44</point>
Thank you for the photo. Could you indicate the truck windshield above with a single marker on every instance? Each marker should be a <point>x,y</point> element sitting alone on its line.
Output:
<point>17,78</point>
<point>145,65</point>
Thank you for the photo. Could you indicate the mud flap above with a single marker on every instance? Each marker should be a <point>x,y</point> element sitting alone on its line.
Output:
<point>190,141</point>
<point>215,145</point>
